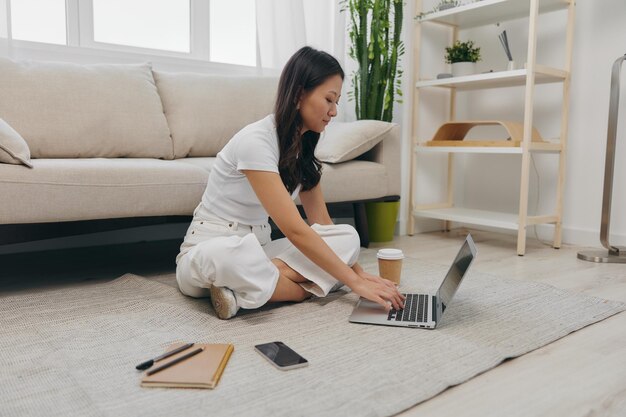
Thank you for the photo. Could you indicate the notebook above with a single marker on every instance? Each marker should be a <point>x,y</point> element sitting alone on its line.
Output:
<point>199,371</point>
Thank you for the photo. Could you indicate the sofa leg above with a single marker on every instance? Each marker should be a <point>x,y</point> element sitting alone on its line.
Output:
<point>360,223</point>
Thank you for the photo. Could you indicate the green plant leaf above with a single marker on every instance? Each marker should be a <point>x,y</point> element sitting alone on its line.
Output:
<point>374,33</point>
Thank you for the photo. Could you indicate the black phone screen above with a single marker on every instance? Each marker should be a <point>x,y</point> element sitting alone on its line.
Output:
<point>281,354</point>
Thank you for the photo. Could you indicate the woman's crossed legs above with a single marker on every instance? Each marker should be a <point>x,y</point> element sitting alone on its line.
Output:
<point>288,286</point>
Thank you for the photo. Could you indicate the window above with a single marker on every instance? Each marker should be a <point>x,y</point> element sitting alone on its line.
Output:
<point>39,21</point>
<point>233,32</point>
<point>221,31</point>
<point>154,24</point>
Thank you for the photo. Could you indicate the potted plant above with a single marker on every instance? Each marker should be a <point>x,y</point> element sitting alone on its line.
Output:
<point>375,28</point>
<point>374,32</point>
<point>463,57</point>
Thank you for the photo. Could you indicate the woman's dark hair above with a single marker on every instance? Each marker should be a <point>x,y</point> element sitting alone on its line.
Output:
<point>304,71</point>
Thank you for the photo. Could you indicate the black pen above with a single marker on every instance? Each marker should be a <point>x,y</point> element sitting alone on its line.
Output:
<point>147,364</point>
<point>174,362</point>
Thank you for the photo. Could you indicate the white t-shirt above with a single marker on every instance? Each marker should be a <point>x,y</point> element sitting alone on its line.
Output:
<point>229,193</point>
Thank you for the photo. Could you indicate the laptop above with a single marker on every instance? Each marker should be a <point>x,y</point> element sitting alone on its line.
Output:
<point>420,310</point>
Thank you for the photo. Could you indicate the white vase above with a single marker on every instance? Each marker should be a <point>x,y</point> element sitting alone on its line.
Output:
<point>460,69</point>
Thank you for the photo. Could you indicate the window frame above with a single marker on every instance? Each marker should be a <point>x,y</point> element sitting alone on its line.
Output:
<point>80,36</point>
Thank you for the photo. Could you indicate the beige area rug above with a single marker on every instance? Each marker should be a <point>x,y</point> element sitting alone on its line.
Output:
<point>72,352</point>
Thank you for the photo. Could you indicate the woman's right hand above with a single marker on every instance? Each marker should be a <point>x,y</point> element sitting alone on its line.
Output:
<point>385,295</point>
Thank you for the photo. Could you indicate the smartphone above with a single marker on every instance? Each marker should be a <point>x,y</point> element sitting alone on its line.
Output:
<point>281,356</point>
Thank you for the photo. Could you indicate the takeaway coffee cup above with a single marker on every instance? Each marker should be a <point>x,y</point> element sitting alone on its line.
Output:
<point>390,264</point>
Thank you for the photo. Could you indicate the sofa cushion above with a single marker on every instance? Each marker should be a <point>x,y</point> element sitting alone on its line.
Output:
<point>205,111</point>
<point>338,181</point>
<point>345,141</point>
<point>98,188</point>
<point>206,163</point>
<point>13,148</point>
<point>66,110</point>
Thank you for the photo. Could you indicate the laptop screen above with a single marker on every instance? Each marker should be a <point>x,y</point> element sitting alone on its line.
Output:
<point>454,276</point>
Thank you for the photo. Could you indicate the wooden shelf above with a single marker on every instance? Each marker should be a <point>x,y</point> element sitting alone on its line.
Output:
<point>543,75</point>
<point>489,11</point>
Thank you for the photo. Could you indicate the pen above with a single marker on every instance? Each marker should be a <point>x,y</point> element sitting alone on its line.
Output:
<point>174,362</point>
<point>149,363</point>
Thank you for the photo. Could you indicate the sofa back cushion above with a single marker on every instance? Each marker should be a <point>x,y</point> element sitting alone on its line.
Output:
<point>205,111</point>
<point>66,110</point>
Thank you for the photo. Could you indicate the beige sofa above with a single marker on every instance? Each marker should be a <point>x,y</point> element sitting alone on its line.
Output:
<point>126,142</point>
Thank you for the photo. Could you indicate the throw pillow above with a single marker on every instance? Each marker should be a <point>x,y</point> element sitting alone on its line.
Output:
<point>13,148</point>
<point>345,141</point>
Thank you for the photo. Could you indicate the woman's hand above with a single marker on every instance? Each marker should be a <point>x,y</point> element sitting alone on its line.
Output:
<point>378,290</point>
<point>376,278</point>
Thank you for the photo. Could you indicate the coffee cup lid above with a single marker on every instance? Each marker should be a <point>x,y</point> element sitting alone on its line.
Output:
<point>390,254</point>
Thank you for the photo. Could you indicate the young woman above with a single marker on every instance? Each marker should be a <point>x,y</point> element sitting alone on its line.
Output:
<point>228,254</point>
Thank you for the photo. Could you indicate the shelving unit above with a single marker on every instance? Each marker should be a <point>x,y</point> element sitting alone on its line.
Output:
<point>477,14</point>
<point>543,75</point>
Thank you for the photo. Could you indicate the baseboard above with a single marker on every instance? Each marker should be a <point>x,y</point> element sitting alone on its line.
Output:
<point>421,226</point>
<point>588,237</point>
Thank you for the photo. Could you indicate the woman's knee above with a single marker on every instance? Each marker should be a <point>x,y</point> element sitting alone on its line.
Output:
<point>344,240</point>
<point>353,243</point>
<point>354,236</point>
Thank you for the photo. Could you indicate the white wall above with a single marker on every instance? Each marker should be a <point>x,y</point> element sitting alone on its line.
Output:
<point>491,182</point>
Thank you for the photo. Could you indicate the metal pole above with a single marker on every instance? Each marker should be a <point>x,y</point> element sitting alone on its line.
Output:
<point>615,254</point>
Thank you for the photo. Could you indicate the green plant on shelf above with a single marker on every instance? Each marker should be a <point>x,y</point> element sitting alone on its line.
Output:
<point>462,52</point>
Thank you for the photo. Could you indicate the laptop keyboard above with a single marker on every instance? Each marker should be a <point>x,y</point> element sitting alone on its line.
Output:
<point>415,309</point>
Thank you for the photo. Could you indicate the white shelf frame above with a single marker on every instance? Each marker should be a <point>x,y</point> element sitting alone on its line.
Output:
<point>480,217</point>
<point>489,11</point>
<point>499,79</point>
<point>478,14</point>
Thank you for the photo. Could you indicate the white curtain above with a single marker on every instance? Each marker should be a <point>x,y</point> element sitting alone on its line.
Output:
<point>5,38</point>
<point>284,26</point>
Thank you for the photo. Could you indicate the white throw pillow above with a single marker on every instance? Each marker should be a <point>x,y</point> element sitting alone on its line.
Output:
<point>13,147</point>
<point>345,141</point>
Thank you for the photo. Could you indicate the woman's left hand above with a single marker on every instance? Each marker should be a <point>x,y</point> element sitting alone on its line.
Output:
<point>377,279</point>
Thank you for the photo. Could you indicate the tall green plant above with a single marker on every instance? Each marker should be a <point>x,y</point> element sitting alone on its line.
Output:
<point>375,28</point>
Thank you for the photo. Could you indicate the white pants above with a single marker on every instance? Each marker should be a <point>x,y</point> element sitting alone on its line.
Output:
<point>228,254</point>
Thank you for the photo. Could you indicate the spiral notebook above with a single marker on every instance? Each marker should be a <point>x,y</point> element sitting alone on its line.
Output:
<point>203,370</point>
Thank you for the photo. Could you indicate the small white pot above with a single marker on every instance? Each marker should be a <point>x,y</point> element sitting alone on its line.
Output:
<point>460,69</point>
